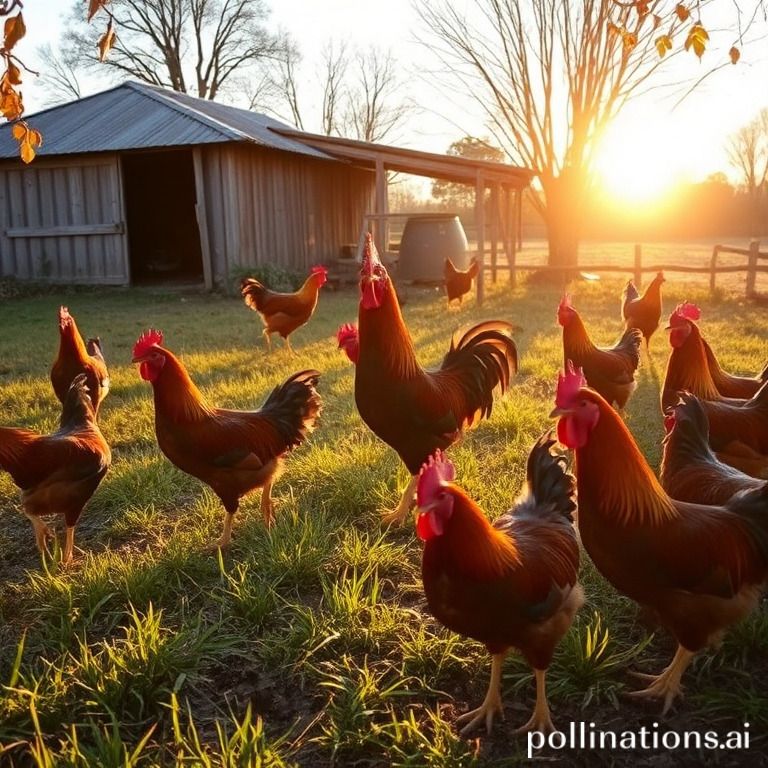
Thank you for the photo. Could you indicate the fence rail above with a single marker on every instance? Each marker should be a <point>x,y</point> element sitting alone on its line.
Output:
<point>751,267</point>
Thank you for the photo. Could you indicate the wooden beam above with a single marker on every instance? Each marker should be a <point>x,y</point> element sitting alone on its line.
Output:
<point>74,230</point>
<point>480,228</point>
<point>495,213</point>
<point>380,226</point>
<point>202,217</point>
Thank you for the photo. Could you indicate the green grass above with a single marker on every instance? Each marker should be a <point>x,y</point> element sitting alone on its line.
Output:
<point>309,644</point>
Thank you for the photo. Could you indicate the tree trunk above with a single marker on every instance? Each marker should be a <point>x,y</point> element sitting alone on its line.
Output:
<point>564,198</point>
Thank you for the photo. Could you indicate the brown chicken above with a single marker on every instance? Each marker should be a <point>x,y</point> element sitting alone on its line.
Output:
<point>58,473</point>
<point>416,411</point>
<point>283,313</point>
<point>643,312</point>
<point>75,358</point>
<point>610,371</point>
<point>233,452</point>
<point>698,568</point>
<point>458,282</point>
<point>690,470</point>
<point>512,584</point>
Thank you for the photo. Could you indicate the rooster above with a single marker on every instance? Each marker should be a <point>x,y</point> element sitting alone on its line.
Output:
<point>413,410</point>
<point>349,340</point>
<point>233,452</point>
<point>58,473</point>
<point>698,568</point>
<point>643,312</point>
<point>76,357</point>
<point>693,367</point>
<point>690,470</point>
<point>610,371</point>
<point>458,281</point>
<point>510,584</point>
<point>283,313</point>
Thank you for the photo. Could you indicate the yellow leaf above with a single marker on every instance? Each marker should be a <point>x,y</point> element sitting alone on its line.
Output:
<point>697,39</point>
<point>106,41</point>
<point>27,152</point>
<point>629,40</point>
<point>14,30</point>
<point>682,12</point>
<point>735,54</point>
<point>94,6</point>
<point>19,130</point>
<point>35,137</point>
<point>10,103</point>
<point>613,29</point>
<point>663,44</point>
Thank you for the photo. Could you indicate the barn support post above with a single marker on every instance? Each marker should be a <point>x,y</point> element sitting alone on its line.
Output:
<point>713,268</point>
<point>202,217</point>
<point>754,252</point>
<point>480,234</point>
<point>495,214</point>
<point>380,224</point>
<point>638,265</point>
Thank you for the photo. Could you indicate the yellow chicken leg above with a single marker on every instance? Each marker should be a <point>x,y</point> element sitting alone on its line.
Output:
<point>667,684</point>
<point>265,333</point>
<point>226,536</point>
<point>267,506</point>
<point>540,719</point>
<point>404,507</point>
<point>42,532</point>
<point>491,704</point>
<point>69,545</point>
<point>288,345</point>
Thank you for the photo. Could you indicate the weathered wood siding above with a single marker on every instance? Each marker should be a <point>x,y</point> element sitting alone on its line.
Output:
<point>265,206</point>
<point>62,220</point>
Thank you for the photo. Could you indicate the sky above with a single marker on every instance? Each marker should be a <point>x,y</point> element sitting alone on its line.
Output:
<point>650,142</point>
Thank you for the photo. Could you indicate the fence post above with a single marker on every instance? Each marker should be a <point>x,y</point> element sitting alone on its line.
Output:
<point>712,268</point>
<point>754,250</point>
<point>638,265</point>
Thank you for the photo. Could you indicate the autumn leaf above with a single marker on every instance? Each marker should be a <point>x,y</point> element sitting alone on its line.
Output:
<point>106,41</point>
<point>94,6</point>
<point>13,31</point>
<point>682,12</point>
<point>613,29</point>
<point>735,54</point>
<point>629,40</point>
<point>35,137</point>
<point>27,152</point>
<point>14,74</point>
<point>19,131</point>
<point>10,100</point>
<point>656,21</point>
<point>697,39</point>
<point>663,44</point>
<point>641,6</point>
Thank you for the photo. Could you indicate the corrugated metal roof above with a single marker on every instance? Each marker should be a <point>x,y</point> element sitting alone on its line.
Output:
<point>135,115</point>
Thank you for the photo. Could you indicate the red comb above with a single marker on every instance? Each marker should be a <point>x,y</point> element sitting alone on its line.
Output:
<point>435,471</point>
<point>346,333</point>
<point>568,385</point>
<point>319,269</point>
<point>146,341</point>
<point>565,302</point>
<point>63,313</point>
<point>688,311</point>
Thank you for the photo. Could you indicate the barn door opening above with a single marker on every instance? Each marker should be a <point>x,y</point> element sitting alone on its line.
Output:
<point>163,236</point>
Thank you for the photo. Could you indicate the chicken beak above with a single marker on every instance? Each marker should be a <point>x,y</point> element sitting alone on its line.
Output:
<point>557,412</point>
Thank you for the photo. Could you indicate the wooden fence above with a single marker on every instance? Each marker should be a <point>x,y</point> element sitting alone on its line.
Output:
<point>751,267</point>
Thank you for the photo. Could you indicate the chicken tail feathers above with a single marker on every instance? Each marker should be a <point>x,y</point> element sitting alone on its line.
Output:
<point>294,406</point>
<point>78,408</point>
<point>253,293</point>
<point>483,358</point>
<point>630,292</point>
<point>752,505</point>
<point>549,484</point>
<point>629,344</point>
<point>474,268</point>
<point>691,429</point>
<point>449,270</point>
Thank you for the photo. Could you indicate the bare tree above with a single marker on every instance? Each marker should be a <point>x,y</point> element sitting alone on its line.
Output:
<point>373,108</point>
<point>748,152</point>
<point>336,63</point>
<point>59,79</point>
<point>175,43</point>
<point>550,75</point>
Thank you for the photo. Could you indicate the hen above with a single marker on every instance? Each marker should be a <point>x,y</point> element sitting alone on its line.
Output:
<point>58,473</point>
<point>610,371</point>
<point>458,281</point>
<point>690,470</point>
<point>729,385</point>
<point>75,358</point>
<point>283,313</point>
<point>699,568</point>
<point>233,452</point>
<point>643,312</point>
<point>417,411</point>
<point>513,584</point>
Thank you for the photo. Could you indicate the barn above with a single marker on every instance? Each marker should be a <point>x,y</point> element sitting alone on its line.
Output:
<point>140,184</point>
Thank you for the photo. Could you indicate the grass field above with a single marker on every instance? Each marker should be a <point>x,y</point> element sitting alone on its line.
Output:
<point>310,644</point>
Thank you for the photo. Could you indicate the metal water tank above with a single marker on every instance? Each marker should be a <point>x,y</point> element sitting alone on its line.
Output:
<point>427,240</point>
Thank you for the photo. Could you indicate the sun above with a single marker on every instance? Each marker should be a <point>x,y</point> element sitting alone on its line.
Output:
<point>637,161</point>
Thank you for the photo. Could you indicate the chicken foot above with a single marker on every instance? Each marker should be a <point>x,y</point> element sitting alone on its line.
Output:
<point>226,535</point>
<point>69,545</point>
<point>667,684</point>
<point>404,507</point>
<point>42,532</point>
<point>266,334</point>
<point>267,506</point>
<point>491,704</point>
<point>541,720</point>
